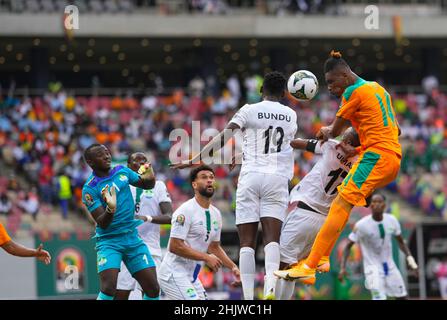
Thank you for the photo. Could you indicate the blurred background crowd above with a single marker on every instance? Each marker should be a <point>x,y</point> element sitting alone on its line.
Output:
<point>43,138</point>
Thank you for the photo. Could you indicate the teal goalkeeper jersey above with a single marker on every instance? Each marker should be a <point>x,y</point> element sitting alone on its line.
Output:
<point>120,177</point>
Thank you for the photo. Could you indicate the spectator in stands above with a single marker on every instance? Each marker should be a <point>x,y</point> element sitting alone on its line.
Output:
<point>5,204</point>
<point>49,133</point>
<point>30,204</point>
<point>64,193</point>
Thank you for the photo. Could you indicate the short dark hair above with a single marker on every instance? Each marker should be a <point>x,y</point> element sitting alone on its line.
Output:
<point>334,61</point>
<point>379,194</point>
<point>354,135</point>
<point>129,157</point>
<point>274,83</point>
<point>194,172</point>
<point>88,151</point>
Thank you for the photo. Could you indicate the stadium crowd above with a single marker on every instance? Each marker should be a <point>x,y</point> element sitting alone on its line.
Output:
<point>43,139</point>
<point>213,7</point>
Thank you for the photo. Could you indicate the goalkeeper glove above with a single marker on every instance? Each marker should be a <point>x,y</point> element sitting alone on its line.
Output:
<point>109,198</point>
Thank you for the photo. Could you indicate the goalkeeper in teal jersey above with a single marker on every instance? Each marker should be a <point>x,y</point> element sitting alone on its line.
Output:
<point>108,198</point>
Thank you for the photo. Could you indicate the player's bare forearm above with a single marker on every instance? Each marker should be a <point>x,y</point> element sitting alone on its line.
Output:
<point>217,143</point>
<point>18,250</point>
<point>216,249</point>
<point>178,247</point>
<point>298,143</point>
<point>345,256</point>
<point>338,127</point>
<point>102,217</point>
<point>162,219</point>
<point>166,214</point>
<point>145,182</point>
<point>403,246</point>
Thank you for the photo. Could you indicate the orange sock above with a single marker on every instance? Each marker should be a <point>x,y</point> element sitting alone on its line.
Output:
<point>329,250</point>
<point>329,233</point>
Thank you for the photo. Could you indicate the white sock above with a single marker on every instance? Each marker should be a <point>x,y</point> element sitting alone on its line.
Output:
<point>284,289</point>
<point>247,266</point>
<point>272,257</point>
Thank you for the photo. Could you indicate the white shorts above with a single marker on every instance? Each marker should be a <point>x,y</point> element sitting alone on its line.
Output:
<point>179,287</point>
<point>125,279</point>
<point>381,286</point>
<point>298,234</point>
<point>260,195</point>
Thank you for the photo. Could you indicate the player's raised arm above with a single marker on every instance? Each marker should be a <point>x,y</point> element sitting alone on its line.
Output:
<point>147,177</point>
<point>217,143</point>
<point>334,130</point>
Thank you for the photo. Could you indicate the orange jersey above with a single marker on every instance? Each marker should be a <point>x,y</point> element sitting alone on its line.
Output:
<point>4,236</point>
<point>368,106</point>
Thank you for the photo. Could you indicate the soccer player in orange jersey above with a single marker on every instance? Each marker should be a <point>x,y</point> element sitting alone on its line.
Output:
<point>18,250</point>
<point>367,106</point>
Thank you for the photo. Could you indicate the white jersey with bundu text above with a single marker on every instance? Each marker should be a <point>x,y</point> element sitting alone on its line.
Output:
<point>267,128</point>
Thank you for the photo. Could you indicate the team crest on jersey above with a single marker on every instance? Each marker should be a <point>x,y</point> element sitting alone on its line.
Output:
<point>180,220</point>
<point>88,199</point>
<point>102,261</point>
<point>191,293</point>
<point>123,177</point>
<point>215,225</point>
<point>148,193</point>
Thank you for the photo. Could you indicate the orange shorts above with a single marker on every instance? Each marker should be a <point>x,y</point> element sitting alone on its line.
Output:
<point>374,169</point>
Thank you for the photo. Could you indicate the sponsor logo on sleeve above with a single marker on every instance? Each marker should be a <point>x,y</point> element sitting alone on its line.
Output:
<point>88,199</point>
<point>180,220</point>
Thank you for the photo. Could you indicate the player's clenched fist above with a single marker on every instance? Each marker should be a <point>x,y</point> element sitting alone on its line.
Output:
<point>324,133</point>
<point>109,198</point>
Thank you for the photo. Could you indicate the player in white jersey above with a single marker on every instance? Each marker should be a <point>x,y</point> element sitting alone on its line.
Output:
<point>374,234</point>
<point>154,206</point>
<point>194,240</point>
<point>312,199</point>
<point>268,127</point>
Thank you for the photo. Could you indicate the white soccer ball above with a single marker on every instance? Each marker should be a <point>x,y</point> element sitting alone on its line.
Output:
<point>302,85</point>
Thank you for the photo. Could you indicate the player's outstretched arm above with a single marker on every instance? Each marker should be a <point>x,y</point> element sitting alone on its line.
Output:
<point>180,248</point>
<point>305,144</point>
<point>216,249</point>
<point>16,249</point>
<point>217,143</point>
<point>300,144</point>
<point>343,274</point>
